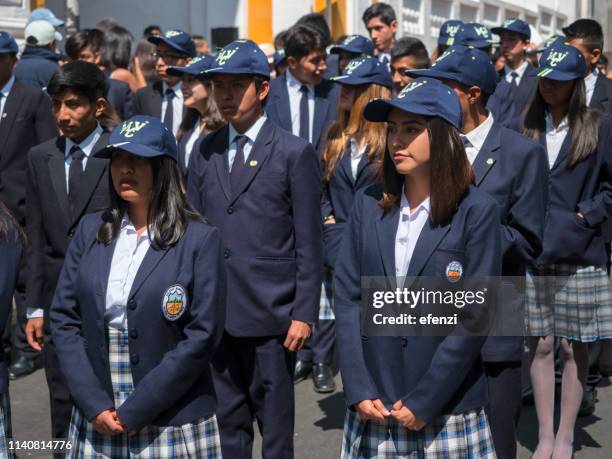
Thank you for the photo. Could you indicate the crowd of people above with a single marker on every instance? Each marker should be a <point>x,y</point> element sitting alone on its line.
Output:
<point>184,233</point>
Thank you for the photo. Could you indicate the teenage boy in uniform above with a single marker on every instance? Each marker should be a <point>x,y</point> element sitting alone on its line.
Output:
<point>261,186</point>
<point>381,23</point>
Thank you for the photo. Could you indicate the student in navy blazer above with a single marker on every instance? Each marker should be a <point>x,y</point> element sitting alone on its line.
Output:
<point>513,170</point>
<point>300,101</point>
<point>578,143</point>
<point>261,187</point>
<point>139,309</point>
<point>11,238</point>
<point>414,390</point>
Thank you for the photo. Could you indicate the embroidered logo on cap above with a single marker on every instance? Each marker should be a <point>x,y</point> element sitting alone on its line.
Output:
<point>129,128</point>
<point>555,57</point>
<point>174,303</point>
<point>173,33</point>
<point>353,65</point>
<point>225,55</point>
<point>452,30</point>
<point>349,39</point>
<point>454,271</point>
<point>410,87</point>
<point>481,31</point>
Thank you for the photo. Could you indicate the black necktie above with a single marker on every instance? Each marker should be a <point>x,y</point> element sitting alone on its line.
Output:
<point>514,80</point>
<point>304,115</point>
<point>74,174</point>
<point>238,164</point>
<point>169,115</point>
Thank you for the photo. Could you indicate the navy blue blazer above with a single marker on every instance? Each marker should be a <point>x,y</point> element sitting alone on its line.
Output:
<point>514,171</point>
<point>271,228</point>
<point>182,152</point>
<point>431,375</point>
<point>10,253</point>
<point>501,106</point>
<point>522,94</point>
<point>169,358</point>
<point>326,105</point>
<point>119,95</point>
<point>339,195</point>
<point>586,188</point>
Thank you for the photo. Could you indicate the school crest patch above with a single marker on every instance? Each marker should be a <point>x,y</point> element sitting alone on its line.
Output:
<point>174,303</point>
<point>454,271</point>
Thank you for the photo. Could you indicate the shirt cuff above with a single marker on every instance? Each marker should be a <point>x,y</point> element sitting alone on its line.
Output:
<point>32,313</point>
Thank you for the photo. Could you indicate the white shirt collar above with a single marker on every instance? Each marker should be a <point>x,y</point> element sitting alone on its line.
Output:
<point>177,88</point>
<point>295,84</point>
<point>6,89</point>
<point>405,206</point>
<point>127,227</point>
<point>251,132</point>
<point>478,135</point>
<point>356,152</point>
<point>520,70</point>
<point>563,125</point>
<point>87,144</point>
<point>590,80</point>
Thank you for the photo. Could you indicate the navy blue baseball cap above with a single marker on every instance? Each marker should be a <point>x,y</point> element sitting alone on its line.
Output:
<point>448,30</point>
<point>464,64</point>
<point>474,34</point>
<point>365,70</point>
<point>279,57</point>
<point>241,57</point>
<point>422,96</point>
<point>142,136</point>
<point>514,25</point>
<point>356,44</point>
<point>7,43</point>
<point>197,66</point>
<point>561,62</point>
<point>178,40</point>
<point>551,42</point>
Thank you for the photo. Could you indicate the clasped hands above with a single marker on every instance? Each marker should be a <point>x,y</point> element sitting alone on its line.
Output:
<point>375,410</point>
<point>108,423</point>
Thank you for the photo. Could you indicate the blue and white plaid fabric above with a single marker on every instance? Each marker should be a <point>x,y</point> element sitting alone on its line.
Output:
<point>5,425</point>
<point>455,436</point>
<point>195,441</point>
<point>573,302</point>
<point>326,303</point>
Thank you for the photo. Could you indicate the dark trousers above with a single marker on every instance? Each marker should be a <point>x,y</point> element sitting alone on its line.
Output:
<point>59,395</point>
<point>253,379</point>
<point>504,382</point>
<point>320,347</point>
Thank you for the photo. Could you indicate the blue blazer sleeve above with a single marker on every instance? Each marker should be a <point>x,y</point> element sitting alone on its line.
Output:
<point>10,253</point>
<point>178,370</point>
<point>456,355</point>
<point>65,317</point>
<point>356,379</point>
<point>195,175</point>
<point>305,186</point>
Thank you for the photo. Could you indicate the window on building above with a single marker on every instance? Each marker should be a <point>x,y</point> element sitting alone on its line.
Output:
<point>546,23</point>
<point>468,13</point>
<point>509,14</point>
<point>490,16</point>
<point>412,17</point>
<point>441,10</point>
<point>531,20</point>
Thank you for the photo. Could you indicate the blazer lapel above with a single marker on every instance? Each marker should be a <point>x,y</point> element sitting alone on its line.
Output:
<point>363,162</point>
<point>386,227</point>
<point>320,112</point>
<point>219,158</point>
<point>104,267</point>
<point>487,156</point>
<point>345,166</point>
<point>57,173</point>
<point>281,105</point>
<point>426,244</point>
<point>257,157</point>
<point>600,97</point>
<point>11,107</point>
<point>564,151</point>
<point>148,265</point>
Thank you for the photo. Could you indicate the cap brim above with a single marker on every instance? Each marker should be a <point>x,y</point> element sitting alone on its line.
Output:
<point>136,149</point>
<point>180,71</point>
<point>552,74</point>
<point>352,80</point>
<point>156,40</point>
<point>378,110</point>
<point>433,73</point>
<point>337,48</point>
<point>56,22</point>
<point>224,71</point>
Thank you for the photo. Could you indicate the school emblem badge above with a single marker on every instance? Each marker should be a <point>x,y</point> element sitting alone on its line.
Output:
<point>174,303</point>
<point>454,271</point>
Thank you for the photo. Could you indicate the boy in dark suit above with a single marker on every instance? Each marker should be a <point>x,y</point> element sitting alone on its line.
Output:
<point>261,186</point>
<point>174,48</point>
<point>64,182</point>
<point>300,101</point>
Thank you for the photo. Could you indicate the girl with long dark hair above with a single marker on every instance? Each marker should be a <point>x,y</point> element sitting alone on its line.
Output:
<point>415,396</point>
<point>139,309</point>
<point>568,295</point>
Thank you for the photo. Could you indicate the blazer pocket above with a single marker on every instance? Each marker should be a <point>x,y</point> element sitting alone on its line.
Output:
<point>276,259</point>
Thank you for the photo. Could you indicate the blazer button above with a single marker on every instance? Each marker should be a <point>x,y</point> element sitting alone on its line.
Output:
<point>134,359</point>
<point>132,304</point>
<point>404,342</point>
<point>133,333</point>
<point>226,253</point>
<point>71,234</point>
<point>230,210</point>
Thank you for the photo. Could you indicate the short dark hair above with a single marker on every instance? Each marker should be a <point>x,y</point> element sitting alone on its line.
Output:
<point>84,78</point>
<point>381,10</point>
<point>117,48</point>
<point>148,31</point>
<point>603,60</point>
<point>413,47</point>
<point>317,22</point>
<point>279,40</point>
<point>86,38</point>
<point>587,29</point>
<point>301,40</point>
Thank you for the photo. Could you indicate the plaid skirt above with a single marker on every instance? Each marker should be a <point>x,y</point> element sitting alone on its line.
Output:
<point>326,303</point>
<point>454,436</point>
<point>199,440</point>
<point>6,432</point>
<point>572,302</point>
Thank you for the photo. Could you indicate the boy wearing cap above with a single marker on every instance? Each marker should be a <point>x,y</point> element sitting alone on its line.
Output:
<point>446,36</point>
<point>64,182</point>
<point>39,59</point>
<point>164,99</point>
<point>261,186</point>
<point>352,46</point>
<point>512,169</point>
<point>301,101</point>
<point>408,53</point>
<point>514,37</point>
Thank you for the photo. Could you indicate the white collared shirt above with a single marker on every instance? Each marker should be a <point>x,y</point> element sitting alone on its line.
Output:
<point>177,105</point>
<point>5,92</point>
<point>408,231</point>
<point>130,250</point>
<point>193,136</point>
<point>295,96</point>
<point>86,146</point>
<point>555,138</point>
<point>589,84</point>
<point>520,70</point>
<point>477,137</point>
<point>356,155</point>
<point>251,135</point>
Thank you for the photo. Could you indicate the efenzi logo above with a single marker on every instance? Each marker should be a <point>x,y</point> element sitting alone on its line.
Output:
<point>353,65</point>
<point>411,87</point>
<point>129,128</point>
<point>225,55</point>
<point>556,57</point>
